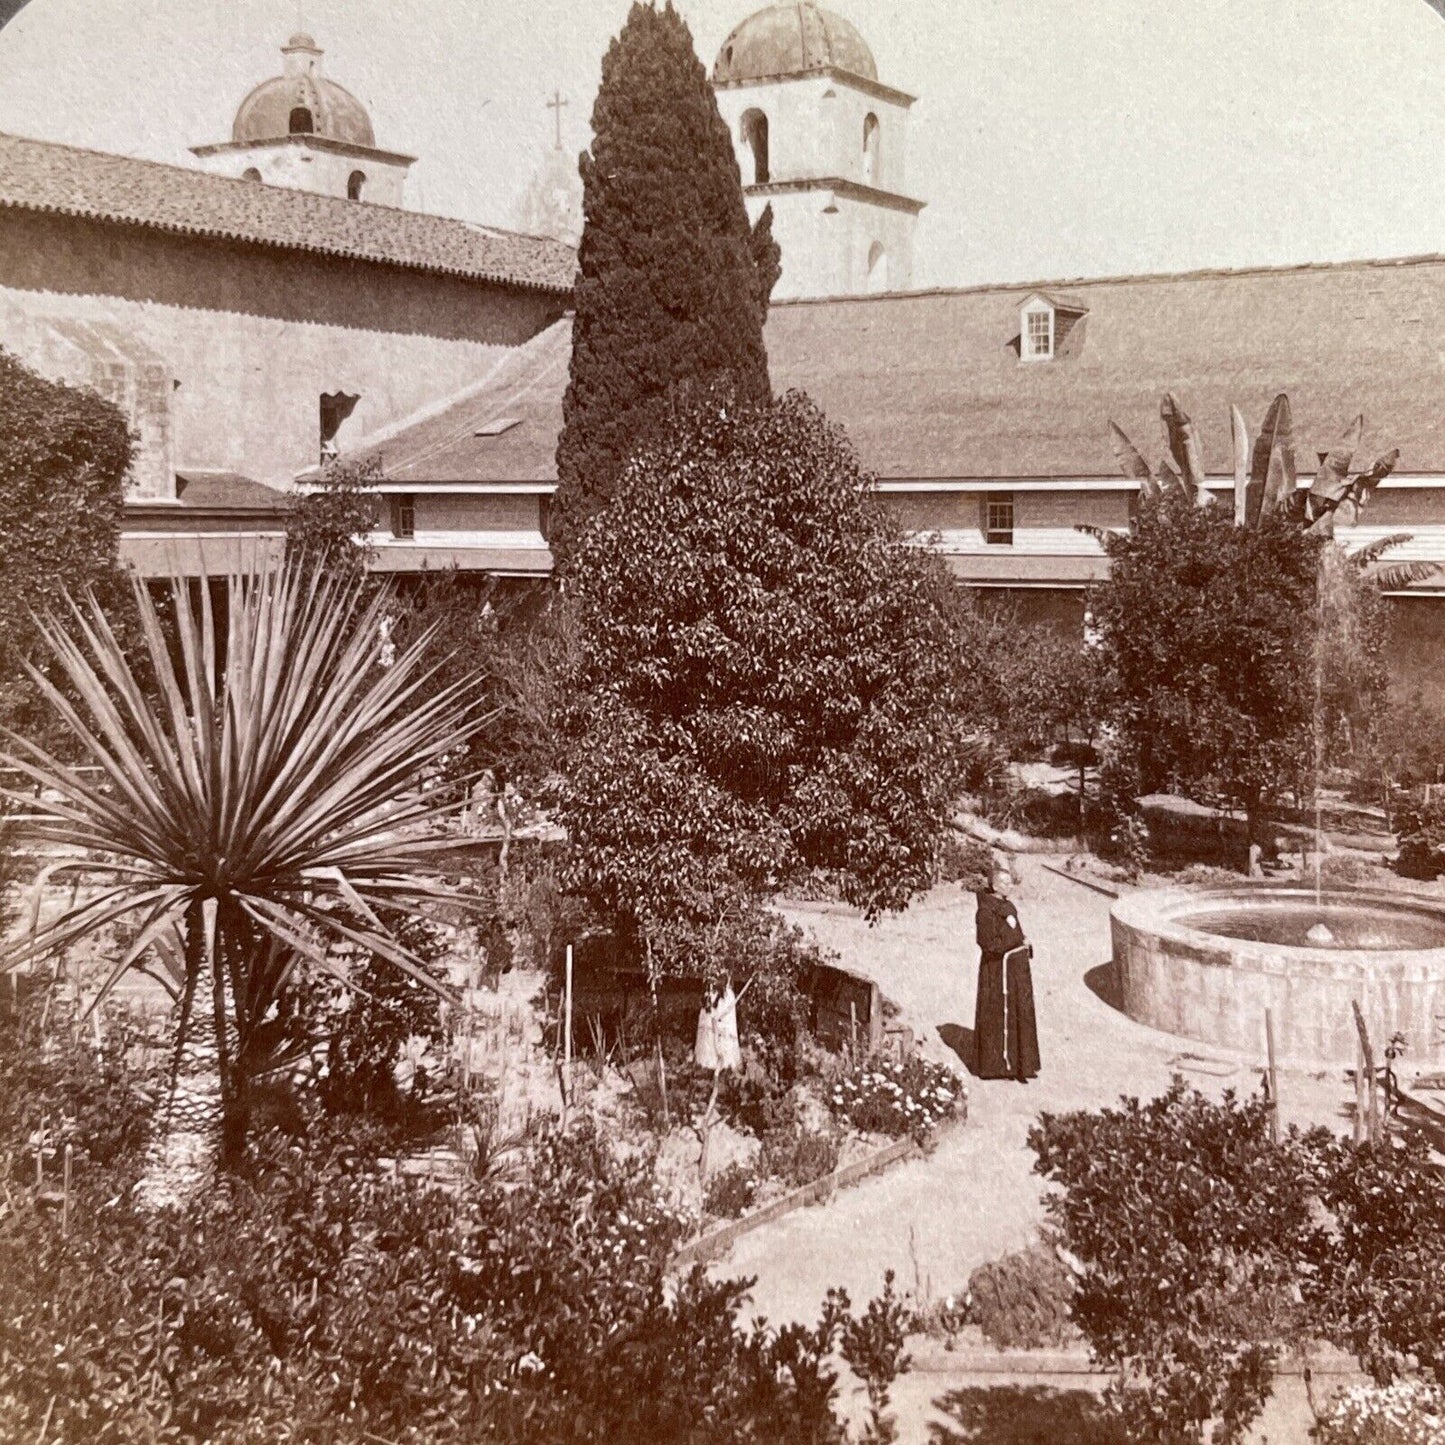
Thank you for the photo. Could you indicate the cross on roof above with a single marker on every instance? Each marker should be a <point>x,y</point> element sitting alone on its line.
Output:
<point>555,106</point>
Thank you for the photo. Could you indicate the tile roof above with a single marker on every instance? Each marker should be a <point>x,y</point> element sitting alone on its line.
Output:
<point>929,384</point>
<point>41,176</point>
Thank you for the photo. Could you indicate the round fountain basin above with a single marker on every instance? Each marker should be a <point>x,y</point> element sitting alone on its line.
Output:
<point>1206,965</point>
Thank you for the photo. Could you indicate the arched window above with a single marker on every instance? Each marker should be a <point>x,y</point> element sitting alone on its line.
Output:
<point>870,149</point>
<point>250,174</point>
<point>302,122</point>
<point>755,137</point>
<point>877,267</point>
<point>354,182</point>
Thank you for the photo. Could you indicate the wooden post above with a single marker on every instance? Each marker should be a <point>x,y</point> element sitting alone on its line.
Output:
<point>65,1194</point>
<point>1359,1093</point>
<point>1373,1129</point>
<point>1273,1077</point>
<point>853,1026</point>
<point>567,1026</point>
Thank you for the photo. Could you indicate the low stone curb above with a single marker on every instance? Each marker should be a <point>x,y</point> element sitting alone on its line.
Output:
<point>717,1242</point>
<point>1083,882</point>
<point>930,1358</point>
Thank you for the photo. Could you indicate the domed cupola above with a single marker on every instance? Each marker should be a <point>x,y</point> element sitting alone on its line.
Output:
<point>301,129</point>
<point>301,101</point>
<point>821,140</point>
<point>792,39</point>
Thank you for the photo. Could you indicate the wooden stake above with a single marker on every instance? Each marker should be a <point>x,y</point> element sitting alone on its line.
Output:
<point>1373,1129</point>
<point>567,1026</point>
<point>1273,1077</point>
<point>65,1194</point>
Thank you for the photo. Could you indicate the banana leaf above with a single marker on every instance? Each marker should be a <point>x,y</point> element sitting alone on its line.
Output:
<point>1239,435</point>
<point>1182,437</point>
<point>1332,480</point>
<point>1275,436</point>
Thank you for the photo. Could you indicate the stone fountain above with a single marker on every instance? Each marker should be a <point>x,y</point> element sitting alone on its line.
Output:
<point>1207,964</point>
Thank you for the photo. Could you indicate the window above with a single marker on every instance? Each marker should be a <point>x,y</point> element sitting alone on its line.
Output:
<point>870,149</point>
<point>755,137</point>
<point>999,521</point>
<point>1038,335</point>
<point>250,174</point>
<point>354,183</point>
<point>403,516</point>
<point>301,122</point>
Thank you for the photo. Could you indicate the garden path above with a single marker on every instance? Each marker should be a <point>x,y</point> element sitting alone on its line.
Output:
<point>933,1220</point>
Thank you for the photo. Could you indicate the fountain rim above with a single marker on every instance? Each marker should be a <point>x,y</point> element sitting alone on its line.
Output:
<point>1163,912</point>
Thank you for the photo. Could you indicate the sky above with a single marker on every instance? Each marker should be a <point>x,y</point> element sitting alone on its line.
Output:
<point>1051,138</point>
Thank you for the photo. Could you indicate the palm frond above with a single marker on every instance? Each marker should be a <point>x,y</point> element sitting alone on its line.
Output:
<point>1373,551</point>
<point>1399,575</point>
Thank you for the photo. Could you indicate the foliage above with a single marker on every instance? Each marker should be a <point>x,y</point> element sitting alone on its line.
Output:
<point>271,785</point>
<point>327,1301</point>
<point>872,1344</point>
<point>1207,1248</point>
<point>965,860</point>
<point>1420,827</point>
<point>730,1191</point>
<point>64,456</point>
<point>1407,744</point>
<point>672,280</point>
<point>889,1096</point>
<point>58,1088</point>
<point>1374,1276</point>
<point>1190,1224</point>
<point>1022,1301</point>
<point>1408,1412</point>
<point>329,529</point>
<point>384,1008</point>
<point>797,1155</point>
<point>1208,633</point>
<point>770,680</point>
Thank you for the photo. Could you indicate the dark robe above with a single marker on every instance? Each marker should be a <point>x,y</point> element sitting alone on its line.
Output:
<point>1006,1043</point>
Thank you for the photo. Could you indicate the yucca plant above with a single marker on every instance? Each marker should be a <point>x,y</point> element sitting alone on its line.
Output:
<point>257,792</point>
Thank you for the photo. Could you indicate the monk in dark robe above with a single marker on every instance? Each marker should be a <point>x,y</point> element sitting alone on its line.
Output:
<point>1006,1041</point>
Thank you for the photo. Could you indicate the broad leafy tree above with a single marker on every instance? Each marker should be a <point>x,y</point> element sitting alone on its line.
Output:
<point>770,675</point>
<point>673,282</point>
<point>64,455</point>
<point>330,527</point>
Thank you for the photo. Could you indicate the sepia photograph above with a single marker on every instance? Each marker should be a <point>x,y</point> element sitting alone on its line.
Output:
<point>722,725</point>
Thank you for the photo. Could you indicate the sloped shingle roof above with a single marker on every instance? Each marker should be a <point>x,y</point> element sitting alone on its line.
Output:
<point>929,384</point>
<point>442,445</point>
<point>41,176</point>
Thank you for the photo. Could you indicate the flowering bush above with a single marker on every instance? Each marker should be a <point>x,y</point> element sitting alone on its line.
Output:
<point>1022,1300</point>
<point>886,1096</point>
<point>1409,1412</point>
<point>729,1193</point>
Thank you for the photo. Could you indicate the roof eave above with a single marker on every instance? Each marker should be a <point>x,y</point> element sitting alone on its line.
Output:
<point>874,88</point>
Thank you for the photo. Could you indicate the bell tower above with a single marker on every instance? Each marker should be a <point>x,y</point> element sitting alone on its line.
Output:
<point>824,142</point>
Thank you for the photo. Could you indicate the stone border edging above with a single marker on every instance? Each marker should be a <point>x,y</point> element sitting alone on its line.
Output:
<point>933,1359</point>
<point>711,1246</point>
<point>1083,882</point>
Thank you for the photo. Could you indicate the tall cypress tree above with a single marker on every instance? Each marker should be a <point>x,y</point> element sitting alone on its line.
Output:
<point>673,283</point>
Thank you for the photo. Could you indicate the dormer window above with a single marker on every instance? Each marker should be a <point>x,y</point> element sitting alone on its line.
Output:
<point>1045,323</point>
<point>1038,335</point>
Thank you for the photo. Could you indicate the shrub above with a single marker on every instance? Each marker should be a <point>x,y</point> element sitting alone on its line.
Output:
<point>730,1191</point>
<point>1022,1301</point>
<point>872,1344</point>
<point>798,1156</point>
<point>1191,1225</point>
<point>326,1301</point>
<point>1420,827</point>
<point>964,860</point>
<point>383,1009</point>
<point>886,1096</point>
<point>1409,1412</point>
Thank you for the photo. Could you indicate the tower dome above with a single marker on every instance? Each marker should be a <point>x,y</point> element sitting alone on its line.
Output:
<point>792,40</point>
<point>301,101</point>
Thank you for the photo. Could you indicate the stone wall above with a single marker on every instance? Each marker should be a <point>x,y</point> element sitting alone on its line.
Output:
<point>251,336</point>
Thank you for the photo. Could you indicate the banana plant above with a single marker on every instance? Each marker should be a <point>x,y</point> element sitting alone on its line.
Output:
<point>255,801</point>
<point>1266,481</point>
